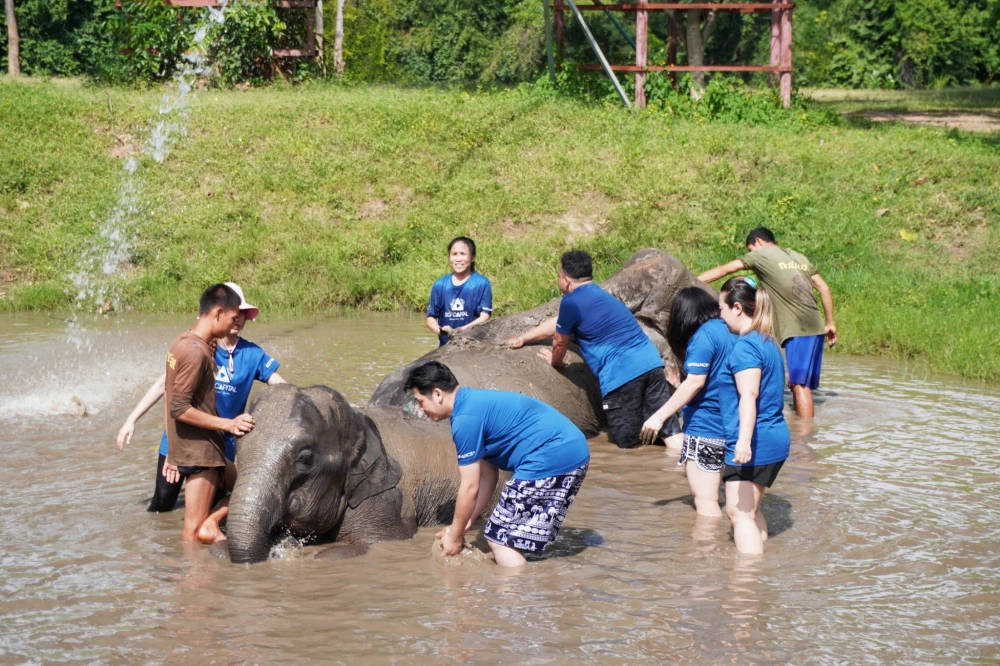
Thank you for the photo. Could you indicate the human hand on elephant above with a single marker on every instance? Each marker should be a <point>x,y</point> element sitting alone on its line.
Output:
<point>515,343</point>
<point>240,425</point>
<point>448,330</point>
<point>546,355</point>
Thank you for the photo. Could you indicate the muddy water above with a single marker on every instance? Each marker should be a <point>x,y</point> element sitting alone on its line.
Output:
<point>885,530</point>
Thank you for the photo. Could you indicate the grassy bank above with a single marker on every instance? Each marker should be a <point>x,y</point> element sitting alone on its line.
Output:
<point>318,196</point>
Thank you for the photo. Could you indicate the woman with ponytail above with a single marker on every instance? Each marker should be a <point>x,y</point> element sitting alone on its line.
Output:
<point>752,401</point>
<point>701,342</point>
<point>461,299</point>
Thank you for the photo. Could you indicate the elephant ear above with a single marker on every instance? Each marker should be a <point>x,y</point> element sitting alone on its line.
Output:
<point>374,472</point>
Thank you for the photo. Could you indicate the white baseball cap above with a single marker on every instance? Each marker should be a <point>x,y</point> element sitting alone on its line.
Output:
<point>252,310</point>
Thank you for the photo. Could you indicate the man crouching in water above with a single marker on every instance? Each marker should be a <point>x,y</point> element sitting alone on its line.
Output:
<point>495,430</point>
<point>194,430</point>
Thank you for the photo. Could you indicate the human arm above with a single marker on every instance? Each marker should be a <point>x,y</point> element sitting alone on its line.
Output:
<point>436,328</point>
<point>481,319</point>
<point>275,379</point>
<point>154,393</point>
<point>453,538</point>
<point>555,356</point>
<point>826,298</point>
<point>688,389</point>
<point>239,426</point>
<point>722,271</point>
<point>543,331</point>
<point>748,386</point>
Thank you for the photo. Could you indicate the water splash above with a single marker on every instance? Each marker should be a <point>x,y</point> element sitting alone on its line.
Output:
<point>98,273</point>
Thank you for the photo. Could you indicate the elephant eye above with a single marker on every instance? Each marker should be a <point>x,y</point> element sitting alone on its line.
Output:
<point>305,460</point>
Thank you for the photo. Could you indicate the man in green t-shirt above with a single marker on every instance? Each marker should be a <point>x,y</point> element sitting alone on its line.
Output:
<point>789,279</point>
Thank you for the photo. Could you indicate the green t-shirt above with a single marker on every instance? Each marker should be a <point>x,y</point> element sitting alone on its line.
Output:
<point>787,276</point>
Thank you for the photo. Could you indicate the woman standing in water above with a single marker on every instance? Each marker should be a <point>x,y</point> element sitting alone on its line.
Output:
<point>701,341</point>
<point>462,299</point>
<point>752,400</point>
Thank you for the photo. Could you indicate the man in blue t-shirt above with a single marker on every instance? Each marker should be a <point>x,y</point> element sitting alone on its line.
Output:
<point>496,430</point>
<point>626,362</point>
<point>238,364</point>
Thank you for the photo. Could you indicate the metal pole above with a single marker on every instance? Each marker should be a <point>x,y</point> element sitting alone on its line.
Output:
<point>600,54</point>
<point>548,41</point>
<point>618,25</point>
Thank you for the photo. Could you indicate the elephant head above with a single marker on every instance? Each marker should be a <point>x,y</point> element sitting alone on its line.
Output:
<point>309,458</point>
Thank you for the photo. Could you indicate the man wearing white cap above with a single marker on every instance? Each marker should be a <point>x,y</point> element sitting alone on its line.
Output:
<point>239,363</point>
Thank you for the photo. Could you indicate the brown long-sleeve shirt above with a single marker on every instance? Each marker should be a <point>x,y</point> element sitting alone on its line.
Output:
<point>190,383</point>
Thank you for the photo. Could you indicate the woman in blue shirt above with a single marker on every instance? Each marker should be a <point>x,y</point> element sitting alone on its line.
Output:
<point>462,299</point>
<point>752,401</point>
<point>701,342</point>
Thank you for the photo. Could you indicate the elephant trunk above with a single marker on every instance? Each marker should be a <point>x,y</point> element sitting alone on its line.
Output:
<point>257,506</point>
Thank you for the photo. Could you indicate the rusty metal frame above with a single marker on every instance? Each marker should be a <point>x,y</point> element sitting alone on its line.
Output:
<point>781,40</point>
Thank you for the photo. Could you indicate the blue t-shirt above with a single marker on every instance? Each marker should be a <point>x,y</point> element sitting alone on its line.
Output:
<point>516,433</point>
<point>458,305</point>
<point>609,337</point>
<point>706,354</point>
<point>771,440</point>
<point>232,388</point>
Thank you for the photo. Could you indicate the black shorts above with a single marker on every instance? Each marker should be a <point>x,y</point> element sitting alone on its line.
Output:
<point>762,475</point>
<point>194,469</point>
<point>628,406</point>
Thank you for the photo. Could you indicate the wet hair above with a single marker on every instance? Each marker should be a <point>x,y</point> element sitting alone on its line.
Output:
<point>218,295</point>
<point>577,264</point>
<point>755,303</point>
<point>429,376</point>
<point>693,306</point>
<point>760,233</point>
<point>469,243</point>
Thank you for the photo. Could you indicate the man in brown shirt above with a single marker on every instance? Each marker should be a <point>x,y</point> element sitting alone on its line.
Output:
<point>194,429</point>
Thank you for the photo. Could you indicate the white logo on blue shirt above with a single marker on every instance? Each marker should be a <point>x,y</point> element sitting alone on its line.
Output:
<point>222,375</point>
<point>457,305</point>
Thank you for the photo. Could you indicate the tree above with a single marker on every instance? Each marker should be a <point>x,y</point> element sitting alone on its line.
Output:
<point>13,40</point>
<point>695,32</point>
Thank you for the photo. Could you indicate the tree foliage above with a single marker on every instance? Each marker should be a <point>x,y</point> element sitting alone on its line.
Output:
<point>852,43</point>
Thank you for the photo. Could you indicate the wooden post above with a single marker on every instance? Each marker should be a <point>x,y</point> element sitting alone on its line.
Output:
<point>775,43</point>
<point>311,32</point>
<point>786,57</point>
<point>641,26</point>
<point>320,52</point>
<point>672,37</point>
<point>560,24</point>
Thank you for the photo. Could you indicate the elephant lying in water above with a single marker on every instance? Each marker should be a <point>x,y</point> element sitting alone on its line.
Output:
<point>646,284</point>
<point>315,465</point>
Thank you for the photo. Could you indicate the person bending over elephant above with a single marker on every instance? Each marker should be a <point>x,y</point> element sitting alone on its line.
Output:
<point>497,430</point>
<point>627,364</point>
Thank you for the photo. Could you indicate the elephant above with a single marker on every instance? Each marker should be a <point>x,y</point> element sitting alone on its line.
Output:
<point>315,465</point>
<point>646,284</point>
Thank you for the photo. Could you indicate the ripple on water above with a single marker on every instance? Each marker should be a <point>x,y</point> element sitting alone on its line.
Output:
<point>884,549</point>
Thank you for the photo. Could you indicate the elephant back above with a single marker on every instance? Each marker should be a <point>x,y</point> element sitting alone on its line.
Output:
<point>573,391</point>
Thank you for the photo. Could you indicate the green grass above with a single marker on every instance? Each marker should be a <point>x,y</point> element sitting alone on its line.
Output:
<point>318,196</point>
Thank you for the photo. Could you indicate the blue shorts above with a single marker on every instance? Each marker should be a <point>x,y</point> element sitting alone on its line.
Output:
<point>804,356</point>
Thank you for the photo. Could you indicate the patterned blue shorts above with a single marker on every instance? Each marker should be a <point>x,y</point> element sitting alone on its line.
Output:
<point>530,513</point>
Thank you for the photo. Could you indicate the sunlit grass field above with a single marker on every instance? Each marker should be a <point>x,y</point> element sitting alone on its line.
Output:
<point>319,196</point>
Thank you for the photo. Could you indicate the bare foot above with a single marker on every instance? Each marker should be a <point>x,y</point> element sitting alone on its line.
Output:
<point>210,533</point>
